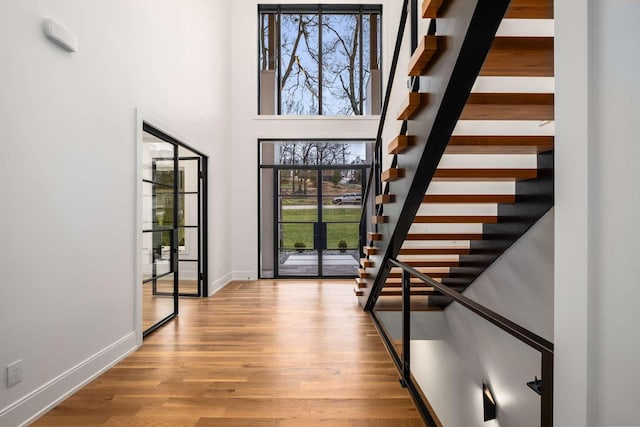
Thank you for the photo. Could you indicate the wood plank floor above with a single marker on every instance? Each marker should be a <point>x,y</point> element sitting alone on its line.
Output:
<point>257,354</point>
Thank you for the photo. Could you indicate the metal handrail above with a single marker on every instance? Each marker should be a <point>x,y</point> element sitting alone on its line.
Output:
<point>522,334</point>
<point>513,329</point>
<point>375,169</point>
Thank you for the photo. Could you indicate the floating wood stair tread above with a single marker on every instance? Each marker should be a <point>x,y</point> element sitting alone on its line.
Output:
<point>469,198</point>
<point>374,236</point>
<point>385,198</point>
<point>434,251</point>
<point>370,250</point>
<point>509,106</point>
<point>432,275</point>
<point>394,303</point>
<point>430,8</point>
<point>362,273</point>
<point>398,292</point>
<point>484,174</point>
<point>503,144</point>
<point>358,292</point>
<point>379,219</point>
<point>361,283</point>
<point>431,263</point>
<point>519,57</point>
<point>392,174</point>
<point>530,9</point>
<point>424,53</point>
<point>412,105</point>
<point>455,219</point>
<point>401,144</point>
<point>366,263</point>
<point>396,282</point>
<point>444,236</point>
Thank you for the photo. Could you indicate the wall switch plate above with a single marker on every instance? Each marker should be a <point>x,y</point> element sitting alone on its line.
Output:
<point>14,373</point>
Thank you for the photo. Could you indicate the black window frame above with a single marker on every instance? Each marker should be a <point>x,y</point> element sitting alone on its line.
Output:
<point>357,9</point>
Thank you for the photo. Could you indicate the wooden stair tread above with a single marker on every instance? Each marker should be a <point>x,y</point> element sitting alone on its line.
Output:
<point>519,57</point>
<point>502,144</point>
<point>379,219</point>
<point>444,236</point>
<point>530,9</point>
<point>424,53</point>
<point>392,174</point>
<point>358,292</point>
<point>413,292</point>
<point>434,251</point>
<point>401,143</point>
<point>509,106</point>
<point>374,236</point>
<point>370,250</point>
<point>366,263</point>
<point>416,283</point>
<point>469,198</point>
<point>484,174</point>
<point>430,8</point>
<point>398,275</point>
<point>455,219</point>
<point>431,263</point>
<point>362,273</point>
<point>361,283</point>
<point>385,198</point>
<point>415,102</point>
<point>394,303</point>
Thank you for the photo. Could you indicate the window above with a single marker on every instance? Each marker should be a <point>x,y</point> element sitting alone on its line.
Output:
<point>319,59</point>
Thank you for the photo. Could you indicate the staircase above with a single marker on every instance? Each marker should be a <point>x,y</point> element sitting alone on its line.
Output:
<point>472,166</point>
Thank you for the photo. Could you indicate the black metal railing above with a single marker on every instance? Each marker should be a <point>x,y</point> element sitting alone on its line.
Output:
<point>544,386</point>
<point>374,182</point>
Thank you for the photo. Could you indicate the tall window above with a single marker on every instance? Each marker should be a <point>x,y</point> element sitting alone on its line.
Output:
<point>319,59</point>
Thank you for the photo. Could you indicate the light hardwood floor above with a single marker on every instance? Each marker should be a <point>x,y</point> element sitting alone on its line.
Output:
<point>257,354</point>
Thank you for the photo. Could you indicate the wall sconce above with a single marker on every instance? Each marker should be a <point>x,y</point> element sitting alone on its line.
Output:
<point>536,385</point>
<point>488,403</point>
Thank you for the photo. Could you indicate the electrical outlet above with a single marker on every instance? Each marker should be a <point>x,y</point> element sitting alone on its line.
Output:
<point>14,373</point>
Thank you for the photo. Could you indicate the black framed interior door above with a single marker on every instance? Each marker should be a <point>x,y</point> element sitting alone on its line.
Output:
<point>159,232</point>
<point>317,215</point>
<point>174,226</point>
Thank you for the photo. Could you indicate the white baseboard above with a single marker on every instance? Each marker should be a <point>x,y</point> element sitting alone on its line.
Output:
<point>244,275</point>
<point>35,404</point>
<point>220,283</point>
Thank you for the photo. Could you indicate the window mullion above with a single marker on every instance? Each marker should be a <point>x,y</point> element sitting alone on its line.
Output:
<point>320,18</point>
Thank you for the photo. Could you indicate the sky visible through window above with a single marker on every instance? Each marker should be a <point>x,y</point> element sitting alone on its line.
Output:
<point>324,60</point>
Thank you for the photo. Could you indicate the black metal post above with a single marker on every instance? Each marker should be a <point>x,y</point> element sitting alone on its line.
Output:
<point>546,398</point>
<point>406,325</point>
<point>414,25</point>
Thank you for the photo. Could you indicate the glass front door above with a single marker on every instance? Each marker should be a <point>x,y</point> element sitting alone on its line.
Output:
<point>317,212</point>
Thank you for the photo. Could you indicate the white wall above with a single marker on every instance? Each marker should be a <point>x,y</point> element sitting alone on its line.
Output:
<point>450,370</point>
<point>68,168</point>
<point>597,213</point>
<point>248,127</point>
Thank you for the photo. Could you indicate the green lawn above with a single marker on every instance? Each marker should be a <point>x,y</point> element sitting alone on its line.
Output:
<point>337,229</point>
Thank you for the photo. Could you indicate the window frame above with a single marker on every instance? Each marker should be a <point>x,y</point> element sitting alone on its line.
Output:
<point>358,10</point>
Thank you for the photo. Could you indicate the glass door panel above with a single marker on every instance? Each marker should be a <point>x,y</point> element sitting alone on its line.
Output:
<point>159,246</point>
<point>341,208</point>
<point>297,212</point>
<point>189,219</point>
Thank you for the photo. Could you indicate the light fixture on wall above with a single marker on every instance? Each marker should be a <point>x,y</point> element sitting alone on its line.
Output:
<point>536,385</point>
<point>488,403</point>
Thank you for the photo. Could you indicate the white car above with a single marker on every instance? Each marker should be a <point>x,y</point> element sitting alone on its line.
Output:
<point>353,198</point>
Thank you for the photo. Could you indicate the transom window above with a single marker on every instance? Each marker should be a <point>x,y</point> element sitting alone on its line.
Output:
<point>319,59</point>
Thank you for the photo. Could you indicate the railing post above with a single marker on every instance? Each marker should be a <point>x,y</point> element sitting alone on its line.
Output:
<point>414,25</point>
<point>546,397</point>
<point>406,325</point>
